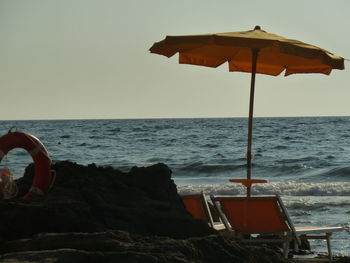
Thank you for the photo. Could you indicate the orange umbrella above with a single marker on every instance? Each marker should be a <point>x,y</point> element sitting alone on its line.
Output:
<point>254,51</point>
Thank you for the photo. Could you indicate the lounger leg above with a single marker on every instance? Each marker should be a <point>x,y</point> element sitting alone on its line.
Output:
<point>328,235</point>
<point>221,214</point>
<point>285,248</point>
<point>295,245</point>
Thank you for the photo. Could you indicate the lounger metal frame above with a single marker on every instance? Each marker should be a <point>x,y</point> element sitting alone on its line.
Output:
<point>201,202</point>
<point>290,233</point>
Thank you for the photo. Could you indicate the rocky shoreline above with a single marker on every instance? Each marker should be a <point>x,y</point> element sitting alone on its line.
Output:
<point>99,214</point>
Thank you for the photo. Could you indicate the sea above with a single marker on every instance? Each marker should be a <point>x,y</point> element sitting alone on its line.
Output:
<point>306,160</point>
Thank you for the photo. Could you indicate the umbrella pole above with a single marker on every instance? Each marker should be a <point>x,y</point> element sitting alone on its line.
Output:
<point>250,120</point>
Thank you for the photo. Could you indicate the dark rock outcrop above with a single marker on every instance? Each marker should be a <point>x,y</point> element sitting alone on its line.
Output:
<point>119,246</point>
<point>90,198</point>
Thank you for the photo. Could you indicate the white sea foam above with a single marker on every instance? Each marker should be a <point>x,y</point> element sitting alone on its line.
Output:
<point>290,188</point>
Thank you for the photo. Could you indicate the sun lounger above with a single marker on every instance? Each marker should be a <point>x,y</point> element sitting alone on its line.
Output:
<point>266,215</point>
<point>197,206</point>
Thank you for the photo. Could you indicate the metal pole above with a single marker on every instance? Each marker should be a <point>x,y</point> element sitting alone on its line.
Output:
<point>250,120</point>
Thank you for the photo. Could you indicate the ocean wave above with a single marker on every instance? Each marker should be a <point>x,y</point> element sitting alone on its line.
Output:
<point>94,137</point>
<point>226,166</point>
<point>211,145</point>
<point>113,130</point>
<point>290,188</point>
<point>280,147</point>
<point>317,205</point>
<point>304,169</point>
<point>299,160</point>
<point>200,168</point>
<point>338,172</point>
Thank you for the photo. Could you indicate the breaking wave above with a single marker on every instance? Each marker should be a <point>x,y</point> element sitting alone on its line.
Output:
<point>290,188</point>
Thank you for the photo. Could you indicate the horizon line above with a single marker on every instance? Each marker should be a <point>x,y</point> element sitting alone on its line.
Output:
<point>174,118</point>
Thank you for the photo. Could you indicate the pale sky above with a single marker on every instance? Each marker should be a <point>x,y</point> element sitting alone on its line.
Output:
<point>87,59</point>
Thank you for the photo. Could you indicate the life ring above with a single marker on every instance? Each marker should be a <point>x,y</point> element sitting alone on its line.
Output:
<point>44,176</point>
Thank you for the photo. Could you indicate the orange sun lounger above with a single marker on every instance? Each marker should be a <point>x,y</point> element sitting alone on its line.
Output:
<point>197,206</point>
<point>266,215</point>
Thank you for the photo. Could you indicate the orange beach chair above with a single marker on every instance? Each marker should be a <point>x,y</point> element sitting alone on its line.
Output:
<point>266,215</point>
<point>197,206</point>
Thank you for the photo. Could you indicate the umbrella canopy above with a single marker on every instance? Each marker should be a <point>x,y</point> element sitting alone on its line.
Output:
<point>276,53</point>
<point>254,51</point>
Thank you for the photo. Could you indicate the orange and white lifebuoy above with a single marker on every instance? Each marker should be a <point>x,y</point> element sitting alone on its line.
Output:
<point>44,176</point>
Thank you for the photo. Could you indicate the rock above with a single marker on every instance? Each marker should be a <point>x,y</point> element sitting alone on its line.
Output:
<point>90,198</point>
<point>119,246</point>
<point>343,259</point>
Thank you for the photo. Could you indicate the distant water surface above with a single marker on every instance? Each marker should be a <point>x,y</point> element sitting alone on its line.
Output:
<point>305,160</point>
